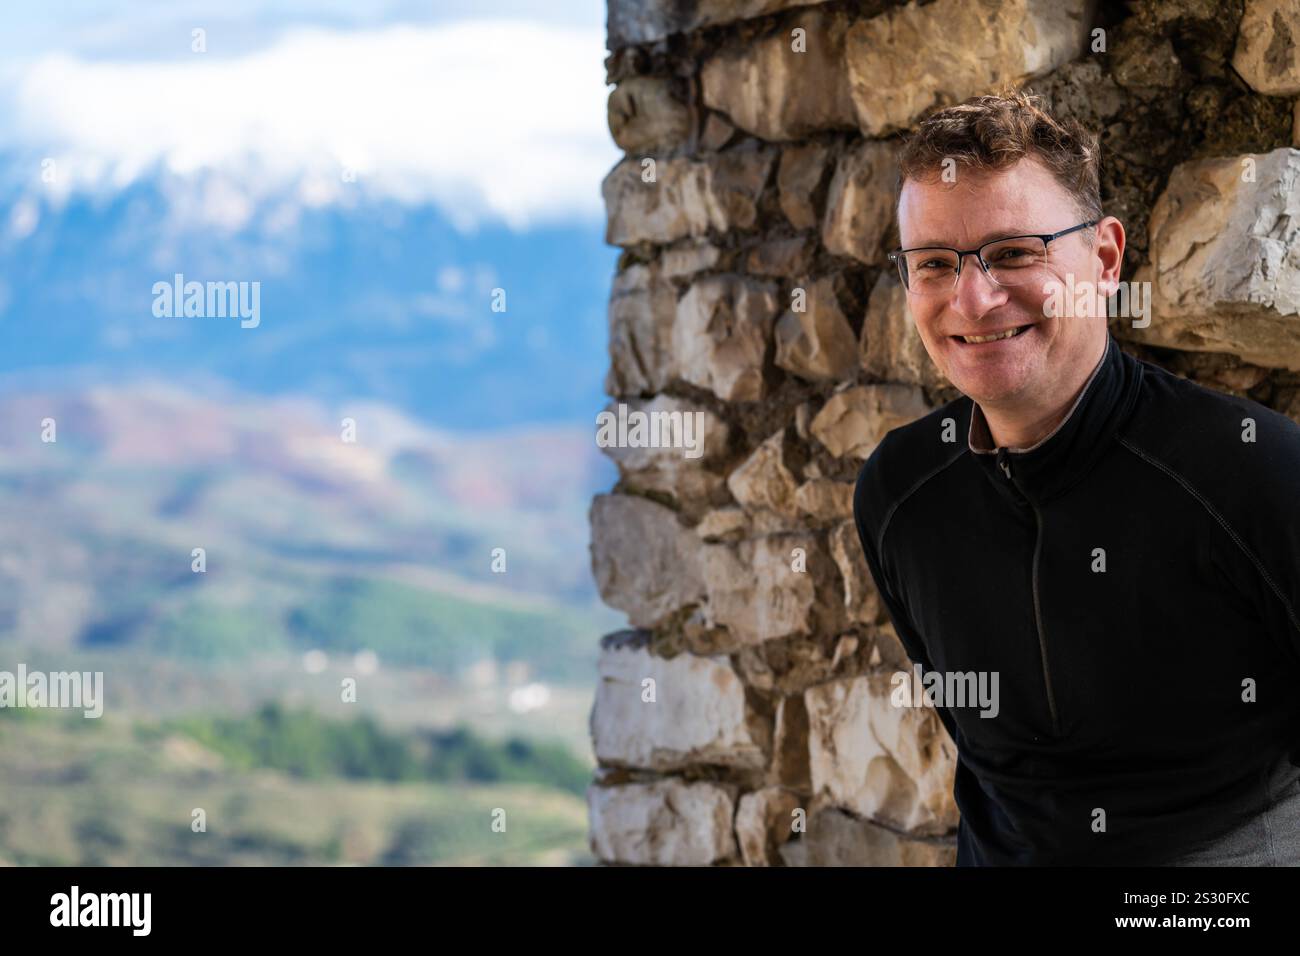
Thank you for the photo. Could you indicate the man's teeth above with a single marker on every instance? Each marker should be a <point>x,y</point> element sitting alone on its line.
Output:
<point>976,339</point>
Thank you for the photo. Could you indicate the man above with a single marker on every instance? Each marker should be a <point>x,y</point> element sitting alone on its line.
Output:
<point>1118,545</point>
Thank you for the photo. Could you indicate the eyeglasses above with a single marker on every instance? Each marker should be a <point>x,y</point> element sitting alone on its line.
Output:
<point>1013,261</point>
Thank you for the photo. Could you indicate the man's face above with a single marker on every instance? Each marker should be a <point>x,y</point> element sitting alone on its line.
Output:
<point>1022,199</point>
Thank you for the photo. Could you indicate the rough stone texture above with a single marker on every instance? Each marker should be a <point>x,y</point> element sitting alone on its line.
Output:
<point>860,203</point>
<point>891,347</point>
<point>666,468</point>
<point>764,821</point>
<point>755,592</point>
<point>1268,46</point>
<point>645,563</point>
<point>686,197</point>
<point>780,87</point>
<point>688,258</point>
<point>912,58</point>
<point>723,524</point>
<point>698,714</point>
<point>891,764</point>
<point>861,599</point>
<point>642,310</point>
<point>764,480</point>
<point>787,256</point>
<point>835,838</point>
<point>644,116</point>
<point>718,132</point>
<point>854,421</point>
<point>799,174</point>
<point>645,21</point>
<point>824,500</point>
<point>816,342</point>
<point>663,823</point>
<point>790,745</point>
<point>1225,260</point>
<point>721,335</point>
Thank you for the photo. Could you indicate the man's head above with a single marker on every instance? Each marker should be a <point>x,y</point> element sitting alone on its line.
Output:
<point>991,168</point>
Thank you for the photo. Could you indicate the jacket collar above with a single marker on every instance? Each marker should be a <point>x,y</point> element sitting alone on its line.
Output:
<point>1059,459</point>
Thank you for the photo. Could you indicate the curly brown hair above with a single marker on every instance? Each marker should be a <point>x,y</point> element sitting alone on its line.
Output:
<point>995,131</point>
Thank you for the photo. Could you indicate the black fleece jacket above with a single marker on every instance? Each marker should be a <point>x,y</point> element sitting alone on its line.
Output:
<point>1134,580</point>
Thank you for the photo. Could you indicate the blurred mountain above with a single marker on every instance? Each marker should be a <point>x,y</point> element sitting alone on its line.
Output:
<point>469,366</point>
<point>360,298</point>
<point>309,540</point>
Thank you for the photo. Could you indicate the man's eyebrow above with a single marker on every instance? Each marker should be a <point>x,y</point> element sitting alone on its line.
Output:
<point>986,237</point>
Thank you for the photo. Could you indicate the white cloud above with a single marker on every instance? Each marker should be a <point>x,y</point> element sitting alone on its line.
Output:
<point>502,119</point>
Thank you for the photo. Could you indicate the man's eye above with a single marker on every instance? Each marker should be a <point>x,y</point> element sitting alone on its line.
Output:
<point>933,264</point>
<point>1012,253</point>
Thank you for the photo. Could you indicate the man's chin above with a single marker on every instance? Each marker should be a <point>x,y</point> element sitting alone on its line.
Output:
<point>990,386</point>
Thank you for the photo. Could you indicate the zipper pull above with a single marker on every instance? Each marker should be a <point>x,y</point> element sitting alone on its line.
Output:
<point>1004,461</point>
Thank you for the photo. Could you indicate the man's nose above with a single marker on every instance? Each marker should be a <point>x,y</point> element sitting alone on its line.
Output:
<point>976,292</point>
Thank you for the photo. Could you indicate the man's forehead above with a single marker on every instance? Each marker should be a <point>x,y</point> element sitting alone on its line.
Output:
<point>978,206</point>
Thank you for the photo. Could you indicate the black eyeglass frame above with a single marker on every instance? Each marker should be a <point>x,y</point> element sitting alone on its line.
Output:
<point>894,256</point>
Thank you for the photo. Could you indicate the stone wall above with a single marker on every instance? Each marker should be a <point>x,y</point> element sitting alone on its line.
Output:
<point>745,717</point>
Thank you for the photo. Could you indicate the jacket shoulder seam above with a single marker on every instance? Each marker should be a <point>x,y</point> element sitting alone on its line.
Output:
<point>1223,522</point>
<point>889,515</point>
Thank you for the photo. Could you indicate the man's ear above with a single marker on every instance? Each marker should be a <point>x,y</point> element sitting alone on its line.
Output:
<point>1110,252</point>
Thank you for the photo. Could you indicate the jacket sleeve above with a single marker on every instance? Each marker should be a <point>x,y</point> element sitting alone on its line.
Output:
<point>908,635</point>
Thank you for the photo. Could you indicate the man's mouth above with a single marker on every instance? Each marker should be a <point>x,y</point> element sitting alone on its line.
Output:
<point>993,337</point>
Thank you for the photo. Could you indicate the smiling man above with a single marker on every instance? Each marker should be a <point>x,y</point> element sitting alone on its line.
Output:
<point>1119,545</point>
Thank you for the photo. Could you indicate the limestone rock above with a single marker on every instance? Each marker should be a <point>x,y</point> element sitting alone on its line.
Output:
<point>1268,47</point>
<point>790,744</point>
<point>723,524</point>
<point>854,421</point>
<point>860,202</point>
<point>721,333</point>
<point>799,173</point>
<point>644,116</point>
<point>1148,69</point>
<point>699,714</point>
<point>913,57</point>
<point>673,451</point>
<point>787,256</point>
<point>1225,260</point>
<point>894,765</point>
<point>764,821</point>
<point>688,257</point>
<point>642,310</point>
<point>776,91</point>
<point>764,480</point>
<point>891,346</point>
<point>824,500</point>
<point>686,197</point>
<point>663,823</point>
<point>816,343</point>
<point>755,591</point>
<point>717,133</point>
<point>861,599</point>
<point>645,563</point>
<point>836,839</point>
